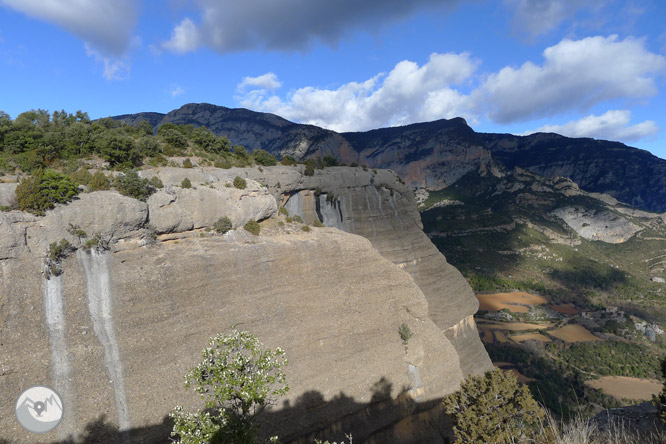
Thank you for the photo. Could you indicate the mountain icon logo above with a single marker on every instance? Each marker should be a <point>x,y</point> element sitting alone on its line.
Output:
<point>39,409</point>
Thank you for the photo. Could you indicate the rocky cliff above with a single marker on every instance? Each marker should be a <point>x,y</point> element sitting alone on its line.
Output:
<point>114,326</point>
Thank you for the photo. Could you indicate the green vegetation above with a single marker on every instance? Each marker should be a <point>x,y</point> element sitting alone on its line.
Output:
<point>305,228</point>
<point>493,408</point>
<point>187,163</point>
<point>317,223</point>
<point>283,211</point>
<point>610,358</point>
<point>263,157</point>
<point>223,225</point>
<point>297,218</point>
<point>253,227</point>
<point>660,400</point>
<point>405,332</point>
<point>240,183</point>
<point>186,183</point>
<point>43,190</point>
<point>130,184</point>
<point>98,182</point>
<point>236,379</point>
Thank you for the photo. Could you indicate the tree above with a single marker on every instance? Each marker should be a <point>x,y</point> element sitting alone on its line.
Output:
<point>43,190</point>
<point>236,379</point>
<point>130,184</point>
<point>493,408</point>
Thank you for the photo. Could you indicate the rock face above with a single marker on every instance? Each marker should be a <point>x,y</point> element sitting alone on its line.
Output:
<point>378,207</point>
<point>116,331</point>
<point>629,174</point>
<point>598,225</point>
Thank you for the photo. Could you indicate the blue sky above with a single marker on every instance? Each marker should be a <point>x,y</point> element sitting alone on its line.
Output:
<point>583,69</point>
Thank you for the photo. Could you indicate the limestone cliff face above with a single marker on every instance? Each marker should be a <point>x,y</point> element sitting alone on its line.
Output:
<point>117,329</point>
<point>377,206</point>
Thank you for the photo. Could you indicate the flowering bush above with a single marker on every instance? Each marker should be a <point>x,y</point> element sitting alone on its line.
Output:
<point>236,379</point>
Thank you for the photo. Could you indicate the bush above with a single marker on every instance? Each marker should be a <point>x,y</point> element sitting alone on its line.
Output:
<point>156,182</point>
<point>288,160</point>
<point>44,189</point>
<point>240,183</point>
<point>317,223</point>
<point>236,379</point>
<point>186,183</point>
<point>223,225</point>
<point>305,228</point>
<point>283,210</point>
<point>309,169</point>
<point>130,184</point>
<point>263,157</point>
<point>405,332</point>
<point>253,227</point>
<point>82,176</point>
<point>99,182</point>
<point>187,163</point>
<point>493,408</point>
<point>297,218</point>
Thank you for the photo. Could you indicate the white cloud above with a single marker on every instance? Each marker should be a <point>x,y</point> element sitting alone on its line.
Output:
<point>231,26</point>
<point>184,38</point>
<point>407,94</point>
<point>612,125</point>
<point>267,81</point>
<point>115,68</point>
<point>105,25</point>
<point>175,91</point>
<point>538,17</point>
<point>574,76</point>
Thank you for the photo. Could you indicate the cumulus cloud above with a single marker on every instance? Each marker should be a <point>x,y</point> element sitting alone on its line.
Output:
<point>407,94</point>
<point>232,26</point>
<point>268,81</point>
<point>115,68</point>
<point>612,125</point>
<point>184,38</point>
<point>105,25</point>
<point>575,75</point>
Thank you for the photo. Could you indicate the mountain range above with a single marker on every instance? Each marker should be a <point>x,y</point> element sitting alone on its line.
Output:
<point>434,155</point>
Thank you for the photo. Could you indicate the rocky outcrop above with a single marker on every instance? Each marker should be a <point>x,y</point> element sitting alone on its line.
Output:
<point>602,225</point>
<point>117,329</point>
<point>375,205</point>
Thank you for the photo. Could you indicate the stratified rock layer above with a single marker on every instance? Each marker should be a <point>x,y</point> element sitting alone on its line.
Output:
<point>375,205</point>
<point>116,331</point>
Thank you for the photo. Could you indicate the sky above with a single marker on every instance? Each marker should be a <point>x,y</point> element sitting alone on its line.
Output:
<point>594,68</point>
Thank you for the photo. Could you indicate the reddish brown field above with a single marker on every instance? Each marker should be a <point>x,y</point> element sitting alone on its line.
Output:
<point>567,309</point>
<point>573,333</point>
<point>515,301</point>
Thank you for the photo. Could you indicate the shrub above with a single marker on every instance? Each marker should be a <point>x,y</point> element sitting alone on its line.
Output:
<point>130,184</point>
<point>236,379</point>
<point>187,163</point>
<point>58,251</point>
<point>297,218</point>
<point>186,183</point>
<point>660,401</point>
<point>253,227</point>
<point>309,169</point>
<point>288,160</point>
<point>99,182</point>
<point>43,190</point>
<point>263,157</point>
<point>283,210</point>
<point>330,161</point>
<point>305,228</point>
<point>223,225</point>
<point>493,408</point>
<point>405,332</point>
<point>240,183</point>
<point>317,223</point>
<point>156,182</point>
<point>82,176</point>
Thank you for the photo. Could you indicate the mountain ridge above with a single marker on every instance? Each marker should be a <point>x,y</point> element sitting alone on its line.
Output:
<point>434,155</point>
